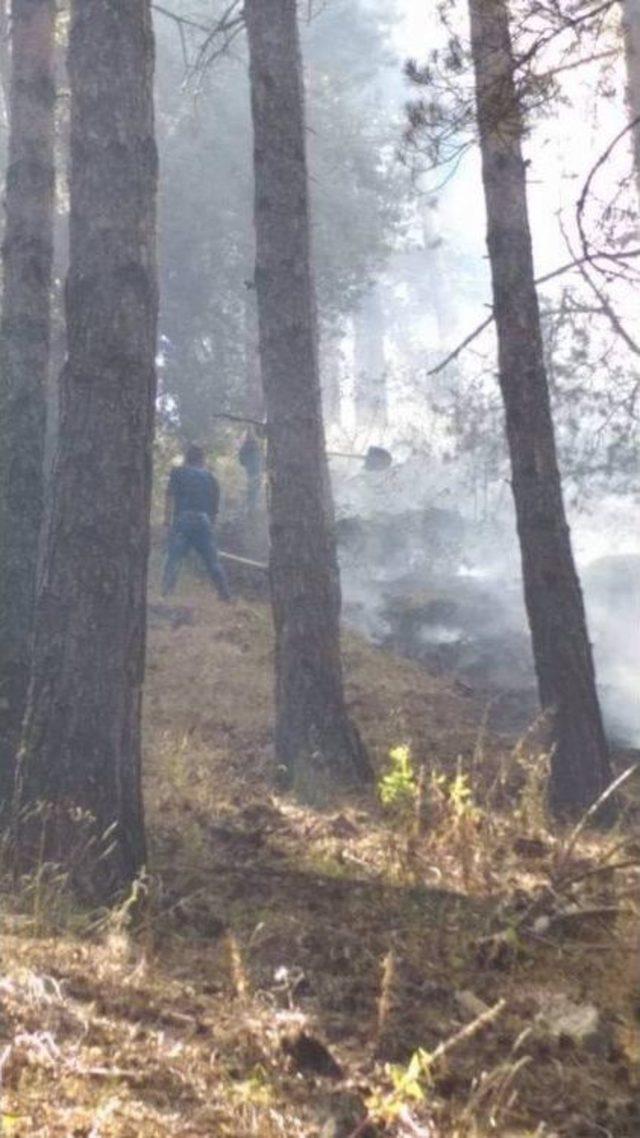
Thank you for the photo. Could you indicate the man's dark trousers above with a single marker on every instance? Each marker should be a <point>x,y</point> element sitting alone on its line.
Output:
<point>194,531</point>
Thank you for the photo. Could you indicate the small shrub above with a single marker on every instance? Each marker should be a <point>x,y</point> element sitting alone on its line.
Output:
<point>408,1088</point>
<point>398,788</point>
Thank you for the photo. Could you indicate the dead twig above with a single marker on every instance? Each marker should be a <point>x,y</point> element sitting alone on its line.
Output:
<point>606,307</point>
<point>469,1031</point>
<point>115,1073</point>
<point>387,989</point>
<point>595,871</point>
<point>498,1082</point>
<point>225,30</point>
<point>586,189</point>
<point>592,811</point>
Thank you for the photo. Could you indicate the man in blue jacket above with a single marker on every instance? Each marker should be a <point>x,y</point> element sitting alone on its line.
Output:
<point>191,507</point>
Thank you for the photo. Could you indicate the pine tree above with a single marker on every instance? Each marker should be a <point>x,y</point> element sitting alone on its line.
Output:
<point>580,768</point>
<point>25,332</point>
<point>81,747</point>
<point>315,740</point>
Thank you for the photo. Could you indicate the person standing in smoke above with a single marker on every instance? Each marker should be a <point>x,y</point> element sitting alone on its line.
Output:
<point>191,508</point>
<point>250,457</point>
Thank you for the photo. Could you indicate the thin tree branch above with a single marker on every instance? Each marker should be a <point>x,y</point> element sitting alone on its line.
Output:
<point>181,21</point>
<point>586,189</point>
<point>609,311</point>
<point>569,24</point>
<point>573,264</point>
<point>463,344</point>
<point>226,29</point>
<point>562,67</point>
<point>607,307</point>
<point>593,810</point>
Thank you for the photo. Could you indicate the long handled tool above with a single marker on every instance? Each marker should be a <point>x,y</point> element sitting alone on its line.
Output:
<point>376,458</point>
<point>244,561</point>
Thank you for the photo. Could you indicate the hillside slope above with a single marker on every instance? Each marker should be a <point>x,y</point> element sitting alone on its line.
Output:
<point>288,958</point>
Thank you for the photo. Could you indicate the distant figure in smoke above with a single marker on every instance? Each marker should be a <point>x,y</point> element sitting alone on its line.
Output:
<point>191,507</point>
<point>250,456</point>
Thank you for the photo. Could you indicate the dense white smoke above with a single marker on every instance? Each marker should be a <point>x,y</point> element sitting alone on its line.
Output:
<point>424,572</point>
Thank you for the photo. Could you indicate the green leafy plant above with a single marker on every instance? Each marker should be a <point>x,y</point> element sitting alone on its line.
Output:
<point>398,788</point>
<point>408,1088</point>
<point>460,799</point>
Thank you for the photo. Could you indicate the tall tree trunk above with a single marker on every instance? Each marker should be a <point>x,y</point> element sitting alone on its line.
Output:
<point>369,363</point>
<point>315,741</point>
<point>631,29</point>
<point>27,255</point>
<point>81,745</point>
<point>562,652</point>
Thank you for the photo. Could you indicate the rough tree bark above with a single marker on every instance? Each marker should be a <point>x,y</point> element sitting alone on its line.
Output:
<point>631,31</point>
<point>25,332</point>
<point>81,747</point>
<point>563,658</point>
<point>315,740</point>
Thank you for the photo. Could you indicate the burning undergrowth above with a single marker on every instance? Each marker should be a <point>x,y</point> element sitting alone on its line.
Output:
<point>437,584</point>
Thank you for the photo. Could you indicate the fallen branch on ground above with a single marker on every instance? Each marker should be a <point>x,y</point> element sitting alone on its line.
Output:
<point>468,1031</point>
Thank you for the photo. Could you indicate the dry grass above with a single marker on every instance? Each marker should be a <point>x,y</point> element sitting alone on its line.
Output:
<point>360,927</point>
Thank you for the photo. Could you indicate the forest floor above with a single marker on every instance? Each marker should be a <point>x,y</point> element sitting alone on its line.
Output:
<point>447,966</point>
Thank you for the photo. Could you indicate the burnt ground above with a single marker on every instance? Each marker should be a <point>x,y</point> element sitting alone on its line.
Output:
<point>289,961</point>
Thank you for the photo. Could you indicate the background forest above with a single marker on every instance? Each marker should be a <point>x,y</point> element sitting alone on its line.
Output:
<point>402,279</point>
<point>399,228</point>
